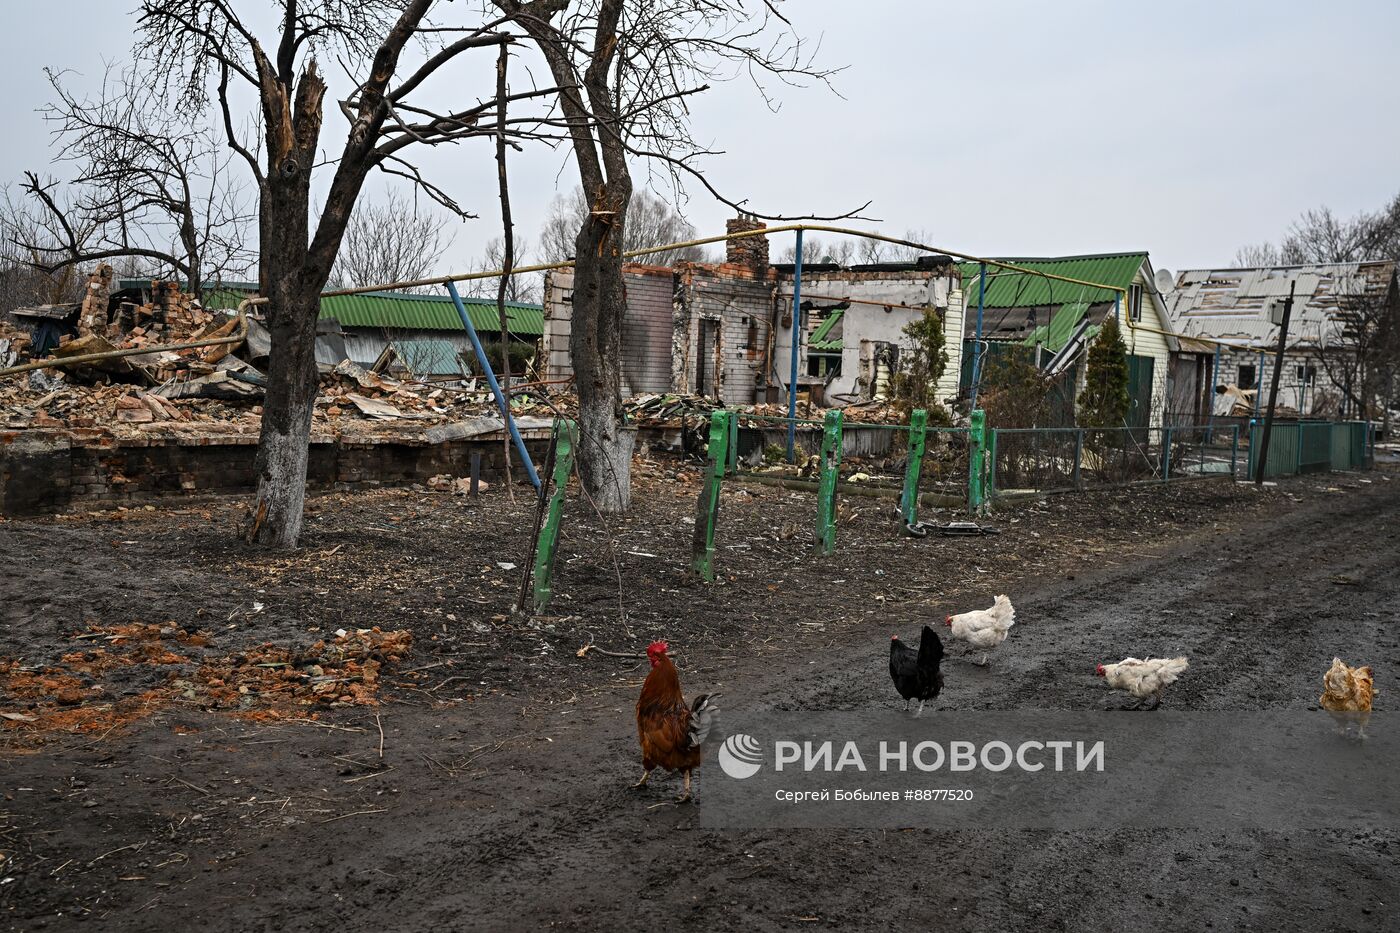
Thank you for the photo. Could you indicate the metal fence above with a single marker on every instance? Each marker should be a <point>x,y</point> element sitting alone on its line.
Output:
<point>1035,460</point>
<point>874,456</point>
<point>1312,446</point>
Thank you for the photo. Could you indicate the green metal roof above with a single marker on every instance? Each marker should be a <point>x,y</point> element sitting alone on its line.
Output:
<point>1012,289</point>
<point>820,341</point>
<point>431,356</point>
<point>428,312</point>
<point>1056,334</point>
<point>395,310</point>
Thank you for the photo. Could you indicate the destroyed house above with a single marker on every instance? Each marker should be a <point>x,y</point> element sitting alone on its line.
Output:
<point>855,320</point>
<point>1335,306</point>
<point>1052,322</point>
<point>424,332</point>
<point>724,330</point>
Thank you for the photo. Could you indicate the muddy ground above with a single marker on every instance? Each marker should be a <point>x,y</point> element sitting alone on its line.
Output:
<point>481,782</point>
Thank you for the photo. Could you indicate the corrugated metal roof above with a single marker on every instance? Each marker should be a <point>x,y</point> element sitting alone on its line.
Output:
<point>1056,334</point>
<point>431,357</point>
<point>390,309</point>
<point>428,312</point>
<point>1013,289</point>
<point>1235,304</point>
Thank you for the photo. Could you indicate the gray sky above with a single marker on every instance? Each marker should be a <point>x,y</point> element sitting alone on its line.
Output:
<point>1001,128</point>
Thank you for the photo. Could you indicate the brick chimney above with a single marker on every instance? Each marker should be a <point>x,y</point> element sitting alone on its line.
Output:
<point>750,251</point>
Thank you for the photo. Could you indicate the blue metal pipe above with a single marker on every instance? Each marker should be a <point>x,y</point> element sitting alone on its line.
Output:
<point>977,339</point>
<point>796,349</point>
<point>495,386</point>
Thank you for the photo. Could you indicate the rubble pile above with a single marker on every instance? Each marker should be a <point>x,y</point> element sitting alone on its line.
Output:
<point>206,388</point>
<point>220,388</point>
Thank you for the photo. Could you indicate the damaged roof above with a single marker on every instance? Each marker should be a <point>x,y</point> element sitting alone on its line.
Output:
<point>1007,288</point>
<point>1236,305</point>
<point>396,310</point>
<point>822,339</point>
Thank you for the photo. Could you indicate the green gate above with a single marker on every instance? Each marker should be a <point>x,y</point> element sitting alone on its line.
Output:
<point>1140,390</point>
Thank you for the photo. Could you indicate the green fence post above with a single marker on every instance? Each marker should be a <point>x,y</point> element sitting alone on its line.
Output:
<point>565,434</point>
<point>732,462</point>
<point>976,459</point>
<point>909,498</point>
<point>1166,454</point>
<point>991,488</point>
<point>702,553</point>
<point>1234,453</point>
<point>826,488</point>
<point>1250,471</point>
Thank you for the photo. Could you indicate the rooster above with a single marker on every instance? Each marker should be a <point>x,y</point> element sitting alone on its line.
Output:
<point>1143,679</point>
<point>984,628</point>
<point>916,674</point>
<point>671,733</point>
<point>1346,694</point>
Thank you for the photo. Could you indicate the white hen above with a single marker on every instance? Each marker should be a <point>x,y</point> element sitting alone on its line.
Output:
<point>984,628</point>
<point>1143,679</point>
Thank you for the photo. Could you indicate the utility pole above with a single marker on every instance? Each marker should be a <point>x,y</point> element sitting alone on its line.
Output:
<point>1273,386</point>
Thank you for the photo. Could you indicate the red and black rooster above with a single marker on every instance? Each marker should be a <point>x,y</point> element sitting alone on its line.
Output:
<point>671,732</point>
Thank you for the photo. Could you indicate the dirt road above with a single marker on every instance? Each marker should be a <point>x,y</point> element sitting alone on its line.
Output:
<point>509,808</point>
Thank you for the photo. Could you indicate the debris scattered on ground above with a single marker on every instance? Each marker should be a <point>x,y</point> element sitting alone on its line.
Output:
<point>117,674</point>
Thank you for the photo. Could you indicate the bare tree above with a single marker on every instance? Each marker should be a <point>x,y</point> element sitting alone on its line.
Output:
<point>624,69</point>
<point>390,49</point>
<point>1320,236</point>
<point>859,250</point>
<point>650,222</point>
<point>23,280</point>
<point>1256,255</point>
<point>146,187</point>
<point>393,240</point>
<point>1359,351</point>
<point>522,287</point>
<point>842,252</point>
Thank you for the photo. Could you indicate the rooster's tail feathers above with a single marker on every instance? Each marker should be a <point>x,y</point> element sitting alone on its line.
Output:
<point>704,713</point>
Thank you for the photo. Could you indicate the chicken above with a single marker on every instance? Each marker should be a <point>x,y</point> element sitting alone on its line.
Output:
<point>1346,694</point>
<point>984,628</point>
<point>1143,679</point>
<point>671,732</point>
<point>916,674</point>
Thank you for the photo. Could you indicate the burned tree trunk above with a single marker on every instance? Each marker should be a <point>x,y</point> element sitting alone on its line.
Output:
<point>595,346</point>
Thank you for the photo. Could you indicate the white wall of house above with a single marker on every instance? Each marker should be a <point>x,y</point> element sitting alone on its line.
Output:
<point>1142,340</point>
<point>882,304</point>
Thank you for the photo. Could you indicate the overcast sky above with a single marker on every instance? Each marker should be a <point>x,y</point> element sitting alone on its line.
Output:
<point>1000,128</point>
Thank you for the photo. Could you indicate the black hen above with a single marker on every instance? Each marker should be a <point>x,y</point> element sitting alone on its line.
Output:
<point>916,674</point>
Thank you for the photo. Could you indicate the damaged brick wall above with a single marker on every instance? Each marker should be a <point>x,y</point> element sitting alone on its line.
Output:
<point>646,327</point>
<point>723,315</point>
<point>45,473</point>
